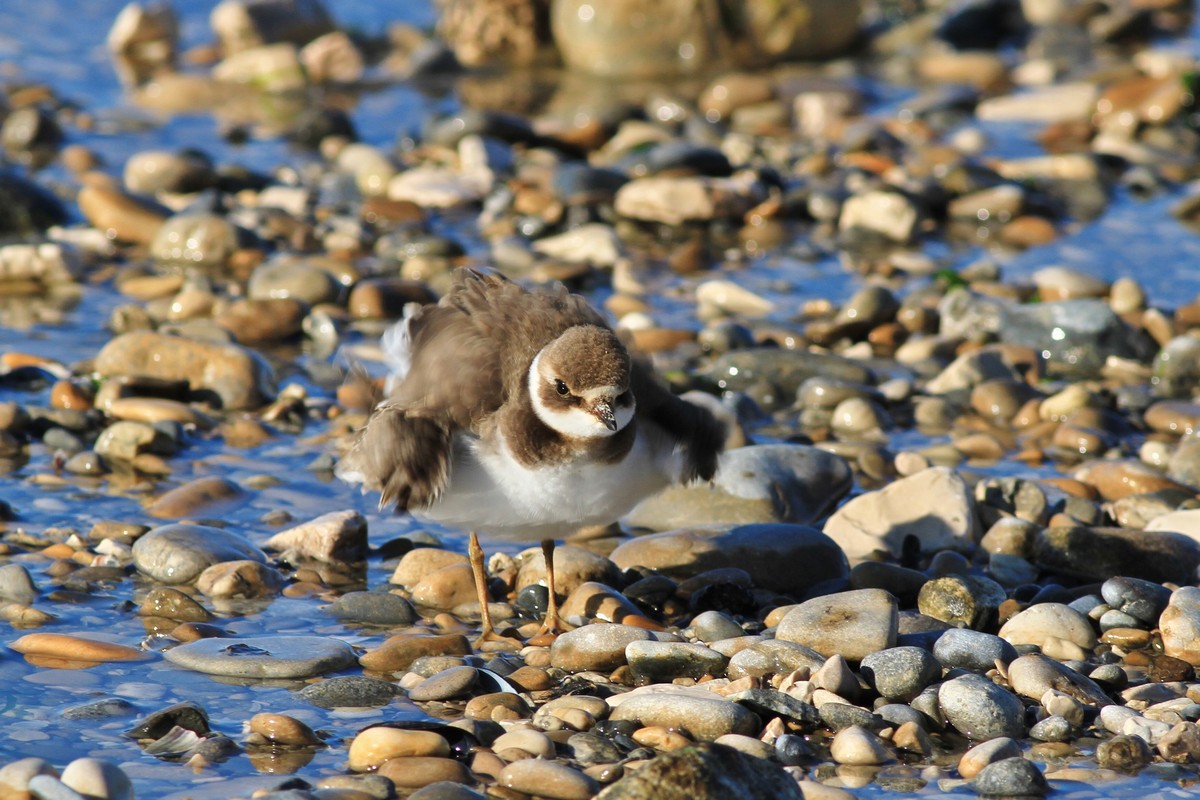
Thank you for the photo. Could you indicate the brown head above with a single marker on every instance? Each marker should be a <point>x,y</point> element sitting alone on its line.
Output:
<point>579,383</point>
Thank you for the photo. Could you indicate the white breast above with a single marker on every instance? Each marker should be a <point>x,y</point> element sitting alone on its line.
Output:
<point>491,492</point>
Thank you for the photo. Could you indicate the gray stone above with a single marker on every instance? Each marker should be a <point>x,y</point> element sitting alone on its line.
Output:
<point>756,484</point>
<point>850,624</point>
<point>781,558</point>
<point>900,673</point>
<point>980,710</point>
<point>662,662</point>
<point>970,601</point>
<point>374,608</point>
<point>1033,675</point>
<point>740,370</point>
<point>448,683</point>
<point>712,626</point>
<point>973,650</point>
<point>178,553</point>
<point>350,691</point>
<point>16,585</point>
<point>769,703</point>
<point>263,656</point>
<point>1142,600</point>
<point>1077,336</point>
<point>1011,777</point>
<point>773,657</point>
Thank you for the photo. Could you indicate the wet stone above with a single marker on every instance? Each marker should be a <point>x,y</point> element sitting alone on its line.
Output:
<point>398,652</point>
<point>16,585</point>
<point>335,536</point>
<point>839,716</point>
<point>263,657</point>
<point>164,601</point>
<point>1124,753</point>
<point>104,709</point>
<point>374,608</point>
<point>446,684</point>
<point>202,495</point>
<point>962,600</point>
<point>179,553</point>
<point>379,743</point>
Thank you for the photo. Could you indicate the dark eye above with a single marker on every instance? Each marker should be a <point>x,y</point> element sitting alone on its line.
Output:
<point>560,386</point>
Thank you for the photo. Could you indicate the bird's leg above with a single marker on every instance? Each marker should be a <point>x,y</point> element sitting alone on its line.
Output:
<point>479,570</point>
<point>552,625</point>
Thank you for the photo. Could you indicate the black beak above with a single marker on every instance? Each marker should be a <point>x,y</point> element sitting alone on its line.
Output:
<point>603,410</point>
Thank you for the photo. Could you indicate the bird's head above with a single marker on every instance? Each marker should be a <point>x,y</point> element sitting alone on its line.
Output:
<point>579,383</point>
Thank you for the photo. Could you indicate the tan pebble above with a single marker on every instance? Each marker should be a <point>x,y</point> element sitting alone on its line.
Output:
<point>485,705</point>
<point>660,738</point>
<point>396,653</point>
<point>242,578</point>
<point>547,779</point>
<point>421,562</point>
<point>531,679</point>
<point>1117,479</point>
<point>1028,231</point>
<point>446,588</point>
<point>58,550</point>
<point>193,498</point>
<point>533,742</point>
<point>856,745</point>
<point>747,744</point>
<point>575,718</point>
<point>374,746</point>
<point>21,616</point>
<point>61,645</point>
<point>986,753</point>
<point>65,394</point>
<point>283,730</point>
<point>157,409</point>
<point>165,601</point>
<point>416,771</point>
<point>487,763</point>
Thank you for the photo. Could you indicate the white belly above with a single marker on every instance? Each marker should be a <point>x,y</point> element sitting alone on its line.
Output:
<point>490,492</point>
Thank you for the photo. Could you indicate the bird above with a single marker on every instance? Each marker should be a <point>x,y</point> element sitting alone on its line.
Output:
<point>521,414</point>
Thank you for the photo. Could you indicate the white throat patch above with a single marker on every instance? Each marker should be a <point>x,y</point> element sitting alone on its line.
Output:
<point>573,422</point>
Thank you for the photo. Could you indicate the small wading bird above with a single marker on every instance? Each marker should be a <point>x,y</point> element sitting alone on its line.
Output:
<point>520,414</point>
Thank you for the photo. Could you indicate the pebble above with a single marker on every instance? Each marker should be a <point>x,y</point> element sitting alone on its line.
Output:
<point>121,215</point>
<point>691,774</point>
<point>979,709</point>
<point>349,691</point>
<point>536,743</point>
<point>283,730</point>
<point>408,772</point>
<point>1180,625</point>
<point>900,673</point>
<point>16,584</point>
<point>377,744</point>
<point>263,657</point>
<point>573,566</point>
<point>1011,777</point>
<point>547,779</point>
<point>1033,675</point>
<point>934,506</point>
<point>94,777</point>
<point>655,662</point>
<point>335,536</point>
<point>374,608</point>
<point>973,650</point>
<point>178,553</point>
<point>856,746</point>
<point>245,579</point>
<point>702,715</point>
<point>984,753</point>
<point>595,647</point>
<point>596,601</point>
<point>446,684</point>
<point>418,563</point>
<point>962,600</point>
<point>852,624</point>
<point>397,653</point>
<point>69,647</point>
<point>1038,623</point>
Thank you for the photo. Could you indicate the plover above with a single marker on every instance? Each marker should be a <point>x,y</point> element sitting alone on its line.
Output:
<point>520,414</point>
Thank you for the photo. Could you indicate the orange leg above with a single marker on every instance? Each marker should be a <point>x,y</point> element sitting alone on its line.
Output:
<point>552,625</point>
<point>479,570</point>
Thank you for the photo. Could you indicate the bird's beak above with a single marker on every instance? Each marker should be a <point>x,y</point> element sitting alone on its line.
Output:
<point>603,409</point>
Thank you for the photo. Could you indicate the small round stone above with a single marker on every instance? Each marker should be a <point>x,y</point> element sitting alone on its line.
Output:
<point>444,685</point>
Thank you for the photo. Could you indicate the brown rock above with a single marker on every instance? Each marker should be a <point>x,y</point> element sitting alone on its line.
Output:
<point>201,495</point>
<point>123,216</point>
<point>398,652</point>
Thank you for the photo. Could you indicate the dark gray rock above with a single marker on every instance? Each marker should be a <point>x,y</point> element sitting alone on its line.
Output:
<point>375,608</point>
<point>1103,553</point>
<point>350,691</point>
<point>705,772</point>
<point>1077,335</point>
<point>1011,777</point>
<point>974,650</point>
<point>981,710</point>
<point>900,673</point>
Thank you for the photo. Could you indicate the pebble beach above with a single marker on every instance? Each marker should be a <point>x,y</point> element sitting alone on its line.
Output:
<point>934,265</point>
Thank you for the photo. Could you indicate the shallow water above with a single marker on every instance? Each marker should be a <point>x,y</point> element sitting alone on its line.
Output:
<point>61,43</point>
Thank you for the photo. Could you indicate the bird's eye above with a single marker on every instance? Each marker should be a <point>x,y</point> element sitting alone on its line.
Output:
<point>560,386</point>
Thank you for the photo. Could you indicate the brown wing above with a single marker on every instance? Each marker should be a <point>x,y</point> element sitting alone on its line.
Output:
<point>701,435</point>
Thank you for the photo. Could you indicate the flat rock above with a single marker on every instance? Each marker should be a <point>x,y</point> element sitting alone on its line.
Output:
<point>781,558</point>
<point>755,484</point>
<point>227,375</point>
<point>851,624</point>
<point>179,553</point>
<point>205,495</point>
<point>594,647</point>
<point>935,506</point>
<point>263,656</point>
